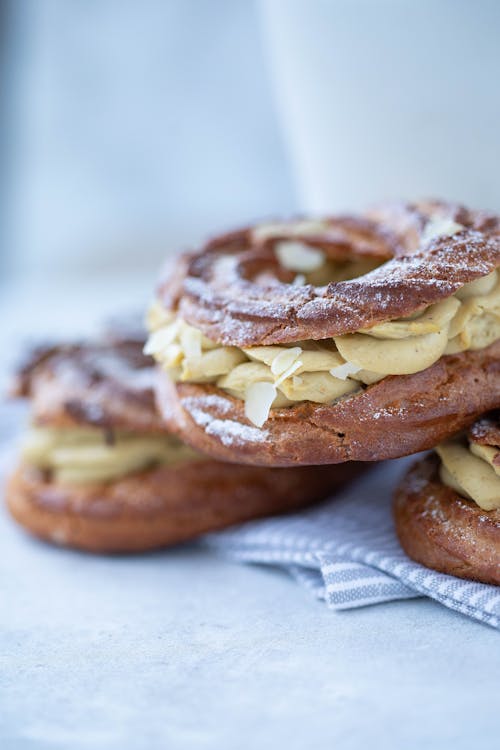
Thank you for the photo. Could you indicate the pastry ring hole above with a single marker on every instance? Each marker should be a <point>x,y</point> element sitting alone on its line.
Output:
<point>321,264</point>
<point>298,263</point>
<point>263,268</point>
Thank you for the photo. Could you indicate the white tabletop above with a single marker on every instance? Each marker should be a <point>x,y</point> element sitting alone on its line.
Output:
<point>181,649</point>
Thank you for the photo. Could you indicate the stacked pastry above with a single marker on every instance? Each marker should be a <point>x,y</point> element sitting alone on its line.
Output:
<point>345,339</point>
<point>348,338</point>
<point>285,352</point>
<point>100,472</point>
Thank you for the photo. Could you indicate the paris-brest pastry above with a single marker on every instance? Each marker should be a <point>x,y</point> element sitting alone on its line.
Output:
<point>100,472</point>
<point>322,341</point>
<point>447,508</point>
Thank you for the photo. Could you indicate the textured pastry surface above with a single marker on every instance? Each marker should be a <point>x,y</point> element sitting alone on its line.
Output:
<point>397,416</point>
<point>372,369</point>
<point>442,530</point>
<point>236,292</point>
<point>164,505</point>
<point>101,385</point>
<point>107,391</point>
<point>486,431</point>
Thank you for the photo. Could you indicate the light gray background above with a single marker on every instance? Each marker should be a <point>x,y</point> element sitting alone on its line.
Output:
<point>182,650</point>
<point>131,129</point>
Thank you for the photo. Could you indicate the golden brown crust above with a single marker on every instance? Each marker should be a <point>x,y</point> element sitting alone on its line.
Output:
<point>442,530</point>
<point>397,416</point>
<point>108,385</point>
<point>99,385</point>
<point>163,506</point>
<point>235,291</point>
<point>486,431</point>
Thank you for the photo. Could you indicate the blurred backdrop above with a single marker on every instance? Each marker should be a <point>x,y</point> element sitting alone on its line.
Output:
<point>388,98</point>
<point>132,129</point>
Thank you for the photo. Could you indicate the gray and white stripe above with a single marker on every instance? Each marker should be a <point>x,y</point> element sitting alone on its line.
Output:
<point>347,554</point>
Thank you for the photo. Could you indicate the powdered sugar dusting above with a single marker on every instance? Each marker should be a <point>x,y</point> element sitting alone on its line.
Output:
<point>135,379</point>
<point>221,293</point>
<point>228,431</point>
<point>486,431</point>
<point>214,401</point>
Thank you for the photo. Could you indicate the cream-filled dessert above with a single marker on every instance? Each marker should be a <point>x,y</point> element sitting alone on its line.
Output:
<point>447,507</point>
<point>93,415</point>
<point>99,470</point>
<point>325,370</point>
<point>364,331</point>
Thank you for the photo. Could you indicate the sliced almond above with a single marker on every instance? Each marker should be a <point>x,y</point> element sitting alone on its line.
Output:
<point>343,371</point>
<point>258,400</point>
<point>285,359</point>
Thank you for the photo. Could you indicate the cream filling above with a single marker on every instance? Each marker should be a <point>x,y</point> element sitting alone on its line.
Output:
<point>470,471</point>
<point>82,456</point>
<point>324,371</point>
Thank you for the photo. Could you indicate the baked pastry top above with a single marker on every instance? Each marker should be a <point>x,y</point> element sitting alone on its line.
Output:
<point>90,384</point>
<point>100,471</point>
<point>316,311</point>
<point>93,413</point>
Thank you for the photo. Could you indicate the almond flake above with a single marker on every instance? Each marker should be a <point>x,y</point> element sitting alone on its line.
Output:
<point>191,342</point>
<point>160,339</point>
<point>342,372</point>
<point>284,359</point>
<point>258,400</point>
<point>288,373</point>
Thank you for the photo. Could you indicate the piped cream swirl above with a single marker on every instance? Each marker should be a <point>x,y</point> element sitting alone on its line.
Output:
<point>470,469</point>
<point>324,371</point>
<point>82,456</point>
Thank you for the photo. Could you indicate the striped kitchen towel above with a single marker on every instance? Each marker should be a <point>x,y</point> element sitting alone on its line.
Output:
<point>347,554</point>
